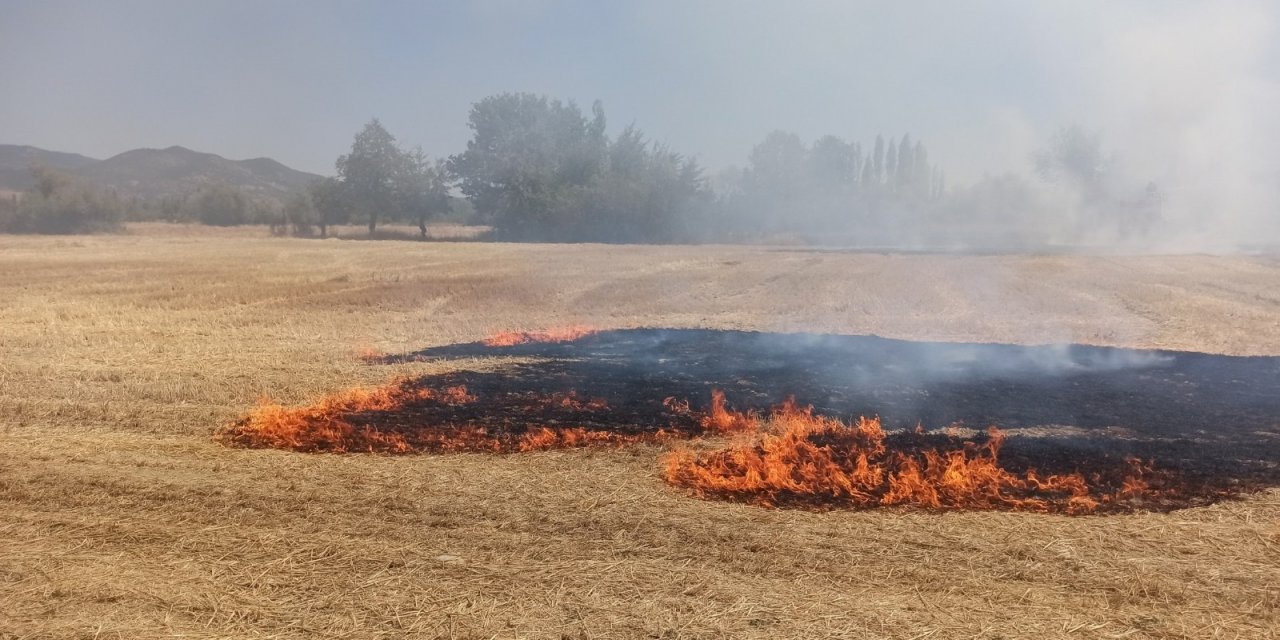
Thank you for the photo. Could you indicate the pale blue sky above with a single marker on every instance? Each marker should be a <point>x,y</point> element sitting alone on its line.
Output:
<point>981,81</point>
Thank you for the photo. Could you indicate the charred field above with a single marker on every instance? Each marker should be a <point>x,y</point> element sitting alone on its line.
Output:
<point>127,515</point>
<point>1203,423</point>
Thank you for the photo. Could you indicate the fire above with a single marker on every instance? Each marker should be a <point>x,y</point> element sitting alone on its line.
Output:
<point>544,438</point>
<point>722,421</point>
<point>786,457</point>
<point>802,459</point>
<point>571,400</point>
<point>560,334</point>
<point>385,420</point>
<point>326,425</point>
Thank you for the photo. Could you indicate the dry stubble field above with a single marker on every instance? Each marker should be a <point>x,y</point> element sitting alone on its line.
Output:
<point>121,517</point>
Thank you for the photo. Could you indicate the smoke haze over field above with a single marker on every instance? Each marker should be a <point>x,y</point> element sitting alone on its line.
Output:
<point>1184,95</point>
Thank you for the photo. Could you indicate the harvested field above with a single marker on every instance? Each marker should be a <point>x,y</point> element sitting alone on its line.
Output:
<point>126,518</point>
<point>1096,429</point>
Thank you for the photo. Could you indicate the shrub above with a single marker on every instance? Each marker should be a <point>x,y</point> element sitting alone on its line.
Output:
<point>218,204</point>
<point>61,204</point>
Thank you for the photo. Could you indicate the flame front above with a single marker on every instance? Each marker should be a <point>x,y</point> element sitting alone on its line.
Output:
<point>786,457</point>
<point>801,459</point>
<point>559,334</point>
<point>326,425</point>
<point>381,420</point>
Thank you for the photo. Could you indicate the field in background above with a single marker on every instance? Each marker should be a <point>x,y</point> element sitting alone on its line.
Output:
<point>119,356</point>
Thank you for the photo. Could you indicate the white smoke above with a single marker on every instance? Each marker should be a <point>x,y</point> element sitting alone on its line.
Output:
<point>1188,98</point>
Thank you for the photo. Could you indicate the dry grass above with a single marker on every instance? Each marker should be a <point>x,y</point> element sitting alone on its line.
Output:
<point>122,518</point>
<point>435,231</point>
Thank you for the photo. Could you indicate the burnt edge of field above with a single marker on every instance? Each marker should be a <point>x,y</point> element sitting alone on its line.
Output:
<point>1212,419</point>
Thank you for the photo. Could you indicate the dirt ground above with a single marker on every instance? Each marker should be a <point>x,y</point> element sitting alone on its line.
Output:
<point>121,517</point>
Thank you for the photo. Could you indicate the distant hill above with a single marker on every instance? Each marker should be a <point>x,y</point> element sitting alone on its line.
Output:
<point>16,161</point>
<point>151,173</point>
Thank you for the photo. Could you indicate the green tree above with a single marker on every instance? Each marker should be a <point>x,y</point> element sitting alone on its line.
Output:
<point>329,202</point>
<point>877,161</point>
<point>369,173</point>
<point>49,181</point>
<point>58,203</point>
<point>422,189</point>
<point>530,162</point>
<point>922,174</point>
<point>219,204</point>
<point>644,193</point>
<point>300,214</point>
<point>833,163</point>
<point>777,167</point>
<point>891,165</point>
<point>905,173</point>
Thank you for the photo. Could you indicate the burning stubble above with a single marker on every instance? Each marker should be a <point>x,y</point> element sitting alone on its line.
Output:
<point>796,458</point>
<point>560,334</point>
<point>787,456</point>
<point>387,420</point>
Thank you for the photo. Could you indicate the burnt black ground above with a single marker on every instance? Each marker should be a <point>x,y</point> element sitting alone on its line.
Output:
<point>1212,417</point>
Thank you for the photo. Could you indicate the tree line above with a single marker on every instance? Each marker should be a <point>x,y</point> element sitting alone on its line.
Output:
<point>831,185</point>
<point>61,203</point>
<point>536,169</point>
<point>542,169</point>
<point>58,203</point>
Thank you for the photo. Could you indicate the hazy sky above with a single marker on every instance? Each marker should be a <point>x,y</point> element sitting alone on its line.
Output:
<point>982,82</point>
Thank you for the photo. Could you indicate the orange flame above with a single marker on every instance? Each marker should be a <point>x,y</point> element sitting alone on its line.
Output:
<point>722,421</point>
<point>326,426</point>
<point>571,400</point>
<point>544,438</point>
<point>560,334</point>
<point>333,423</point>
<point>787,457</point>
<point>799,458</point>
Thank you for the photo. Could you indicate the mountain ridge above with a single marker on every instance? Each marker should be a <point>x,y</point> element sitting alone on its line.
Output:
<point>150,173</point>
